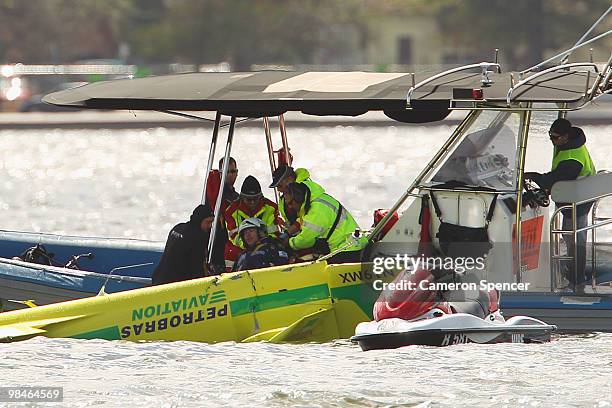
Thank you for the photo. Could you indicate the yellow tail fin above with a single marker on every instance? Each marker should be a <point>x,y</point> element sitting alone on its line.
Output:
<point>319,326</point>
<point>25,330</point>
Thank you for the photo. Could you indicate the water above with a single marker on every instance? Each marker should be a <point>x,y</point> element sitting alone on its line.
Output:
<point>137,184</point>
<point>568,372</point>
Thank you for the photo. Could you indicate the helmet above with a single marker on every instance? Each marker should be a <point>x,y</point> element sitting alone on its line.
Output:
<point>252,222</point>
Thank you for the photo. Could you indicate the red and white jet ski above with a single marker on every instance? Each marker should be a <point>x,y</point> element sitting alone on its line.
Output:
<point>423,316</point>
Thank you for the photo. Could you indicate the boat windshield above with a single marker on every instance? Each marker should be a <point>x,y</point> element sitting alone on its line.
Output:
<point>486,156</point>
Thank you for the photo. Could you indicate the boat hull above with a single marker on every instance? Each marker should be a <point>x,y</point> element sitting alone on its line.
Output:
<point>449,330</point>
<point>569,312</point>
<point>131,263</point>
<point>22,283</point>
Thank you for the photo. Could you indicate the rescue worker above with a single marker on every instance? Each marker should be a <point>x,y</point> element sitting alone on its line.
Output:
<point>281,178</point>
<point>251,203</point>
<point>571,161</point>
<point>186,249</point>
<point>326,225</point>
<point>261,250</point>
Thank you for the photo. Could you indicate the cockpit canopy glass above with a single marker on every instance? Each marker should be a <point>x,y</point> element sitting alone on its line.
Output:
<point>486,155</point>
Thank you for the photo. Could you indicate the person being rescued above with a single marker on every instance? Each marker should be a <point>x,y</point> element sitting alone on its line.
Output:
<point>571,161</point>
<point>281,178</point>
<point>251,204</point>
<point>326,226</point>
<point>260,249</point>
<point>186,250</point>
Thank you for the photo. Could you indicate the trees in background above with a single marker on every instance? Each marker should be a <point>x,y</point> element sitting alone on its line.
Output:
<point>245,32</point>
<point>58,31</point>
<point>522,29</point>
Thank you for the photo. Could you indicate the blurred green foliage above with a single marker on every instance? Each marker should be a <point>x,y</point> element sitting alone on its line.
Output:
<point>245,32</point>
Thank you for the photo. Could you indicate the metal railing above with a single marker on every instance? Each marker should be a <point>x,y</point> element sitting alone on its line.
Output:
<point>557,232</point>
<point>485,78</point>
<point>547,71</point>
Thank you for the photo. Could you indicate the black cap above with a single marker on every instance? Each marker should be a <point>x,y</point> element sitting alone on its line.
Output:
<point>298,191</point>
<point>561,126</point>
<point>201,212</point>
<point>250,187</point>
<point>280,173</point>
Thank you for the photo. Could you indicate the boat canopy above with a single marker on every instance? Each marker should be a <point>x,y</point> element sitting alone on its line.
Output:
<point>271,93</point>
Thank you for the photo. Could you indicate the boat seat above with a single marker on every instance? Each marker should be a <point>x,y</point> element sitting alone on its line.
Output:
<point>472,307</point>
<point>470,302</point>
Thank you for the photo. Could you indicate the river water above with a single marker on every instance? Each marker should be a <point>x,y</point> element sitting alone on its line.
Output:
<point>139,183</point>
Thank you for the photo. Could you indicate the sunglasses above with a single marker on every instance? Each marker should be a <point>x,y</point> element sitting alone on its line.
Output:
<point>251,199</point>
<point>233,171</point>
<point>554,136</point>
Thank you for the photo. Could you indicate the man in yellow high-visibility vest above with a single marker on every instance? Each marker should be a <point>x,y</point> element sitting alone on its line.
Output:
<point>326,226</point>
<point>281,178</point>
<point>571,161</point>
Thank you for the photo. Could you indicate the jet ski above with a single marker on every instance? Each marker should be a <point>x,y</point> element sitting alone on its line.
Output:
<point>420,313</point>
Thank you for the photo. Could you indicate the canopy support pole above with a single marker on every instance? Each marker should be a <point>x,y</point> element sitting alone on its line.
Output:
<point>228,149</point>
<point>211,156</point>
<point>266,123</point>
<point>283,132</point>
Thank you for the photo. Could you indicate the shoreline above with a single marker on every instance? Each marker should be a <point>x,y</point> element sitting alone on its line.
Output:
<point>600,114</point>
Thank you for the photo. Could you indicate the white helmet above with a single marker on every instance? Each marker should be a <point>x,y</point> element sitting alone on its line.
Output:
<point>252,222</point>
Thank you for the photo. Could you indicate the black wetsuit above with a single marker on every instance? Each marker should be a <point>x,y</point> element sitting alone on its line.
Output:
<point>185,253</point>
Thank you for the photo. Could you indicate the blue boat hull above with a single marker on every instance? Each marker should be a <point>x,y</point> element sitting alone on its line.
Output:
<point>569,312</point>
<point>42,284</point>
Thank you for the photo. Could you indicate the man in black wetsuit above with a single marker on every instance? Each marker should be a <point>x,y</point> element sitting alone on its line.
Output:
<point>186,250</point>
<point>571,161</point>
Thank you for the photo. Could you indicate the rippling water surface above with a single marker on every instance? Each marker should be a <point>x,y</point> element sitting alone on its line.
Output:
<point>138,183</point>
<point>571,371</point>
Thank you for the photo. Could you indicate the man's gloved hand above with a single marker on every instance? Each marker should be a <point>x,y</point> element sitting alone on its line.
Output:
<point>215,270</point>
<point>530,175</point>
<point>284,239</point>
<point>294,229</point>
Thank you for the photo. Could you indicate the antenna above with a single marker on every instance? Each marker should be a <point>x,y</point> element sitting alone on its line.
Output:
<point>566,57</point>
<point>566,52</point>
